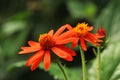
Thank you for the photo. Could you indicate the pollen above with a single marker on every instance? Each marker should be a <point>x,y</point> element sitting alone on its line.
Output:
<point>46,41</point>
<point>81,29</point>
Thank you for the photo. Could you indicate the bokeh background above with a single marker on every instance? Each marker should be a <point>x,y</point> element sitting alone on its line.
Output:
<point>23,20</point>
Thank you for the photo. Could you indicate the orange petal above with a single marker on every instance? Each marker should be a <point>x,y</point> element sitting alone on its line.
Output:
<point>90,28</point>
<point>82,43</point>
<point>35,57</point>
<point>69,27</point>
<point>34,47</point>
<point>27,50</point>
<point>89,39</point>
<point>33,44</point>
<point>93,42</point>
<point>92,38</point>
<point>61,29</point>
<point>59,52</point>
<point>74,43</point>
<point>65,41</point>
<point>68,58</point>
<point>35,64</point>
<point>67,50</point>
<point>99,36</point>
<point>98,40</point>
<point>67,34</point>
<point>47,60</point>
<point>95,36</point>
<point>51,32</point>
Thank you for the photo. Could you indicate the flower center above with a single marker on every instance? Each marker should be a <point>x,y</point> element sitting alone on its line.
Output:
<point>46,41</point>
<point>81,29</point>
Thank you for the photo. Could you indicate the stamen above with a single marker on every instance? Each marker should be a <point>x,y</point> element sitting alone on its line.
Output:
<point>81,29</point>
<point>46,41</point>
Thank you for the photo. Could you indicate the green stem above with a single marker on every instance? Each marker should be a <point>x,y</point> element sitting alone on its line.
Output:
<point>83,63</point>
<point>62,70</point>
<point>94,51</point>
<point>98,57</point>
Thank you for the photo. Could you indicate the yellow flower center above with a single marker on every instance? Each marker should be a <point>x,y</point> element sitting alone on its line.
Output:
<point>81,29</point>
<point>46,41</point>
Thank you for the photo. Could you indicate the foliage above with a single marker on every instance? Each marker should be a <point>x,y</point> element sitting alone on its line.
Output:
<point>25,20</point>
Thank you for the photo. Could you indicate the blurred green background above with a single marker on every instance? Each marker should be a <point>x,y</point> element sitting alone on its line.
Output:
<point>23,20</point>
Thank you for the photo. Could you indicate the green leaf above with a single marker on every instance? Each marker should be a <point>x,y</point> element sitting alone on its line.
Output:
<point>20,16</point>
<point>110,20</point>
<point>116,74</point>
<point>13,71</point>
<point>11,27</point>
<point>14,24</point>
<point>16,64</point>
<point>79,9</point>
<point>110,59</point>
<point>73,73</point>
<point>1,57</point>
<point>15,33</point>
<point>110,64</point>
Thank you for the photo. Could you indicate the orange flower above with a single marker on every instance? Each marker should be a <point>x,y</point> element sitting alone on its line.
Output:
<point>48,42</point>
<point>82,32</point>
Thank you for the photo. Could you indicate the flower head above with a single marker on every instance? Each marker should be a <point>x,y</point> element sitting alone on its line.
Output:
<point>48,42</point>
<point>82,33</point>
<point>101,31</point>
<point>82,29</point>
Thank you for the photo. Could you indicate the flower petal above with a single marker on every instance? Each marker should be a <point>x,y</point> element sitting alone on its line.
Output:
<point>35,64</point>
<point>74,43</point>
<point>51,32</point>
<point>69,27</point>
<point>69,51</point>
<point>27,50</point>
<point>65,41</point>
<point>35,57</point>
<point>47,60</point>
<point>68,58</point>
<point>33,44</point>
<point>82,43</point>
<point>59,52</point>
<point>89,39</point>
<point>90,28</point>
<point>92,36</point>
<point>67,34</point>
<point>93,39</point>
<point>61,29</point>
<point>99,36</point>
